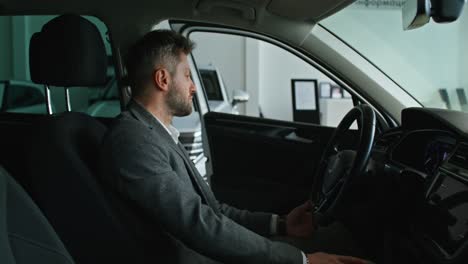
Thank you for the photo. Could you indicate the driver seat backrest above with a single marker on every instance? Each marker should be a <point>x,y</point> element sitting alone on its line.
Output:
<point>63,161</point>
<point>25,234</point>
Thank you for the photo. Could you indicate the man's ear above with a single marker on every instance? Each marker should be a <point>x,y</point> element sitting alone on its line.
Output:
<point>161,79</point>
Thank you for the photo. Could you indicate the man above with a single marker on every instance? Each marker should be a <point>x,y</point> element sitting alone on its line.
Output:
<point>145,163</point>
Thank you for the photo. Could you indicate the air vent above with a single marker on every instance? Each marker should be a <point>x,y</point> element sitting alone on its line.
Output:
<point>460,157</point>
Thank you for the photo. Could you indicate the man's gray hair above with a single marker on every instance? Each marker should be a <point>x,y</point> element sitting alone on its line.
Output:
<point>157,49</point>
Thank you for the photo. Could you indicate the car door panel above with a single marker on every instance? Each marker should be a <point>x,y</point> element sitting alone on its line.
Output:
<point>261,164</point>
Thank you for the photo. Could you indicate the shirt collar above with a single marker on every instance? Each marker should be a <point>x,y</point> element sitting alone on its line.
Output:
<point>173,132</point>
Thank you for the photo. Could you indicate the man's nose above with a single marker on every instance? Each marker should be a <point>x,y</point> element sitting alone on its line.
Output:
<point>193,88</point>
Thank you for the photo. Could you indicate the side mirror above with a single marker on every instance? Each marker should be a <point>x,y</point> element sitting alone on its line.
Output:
<point>417,13</point>
<point>239,96</point>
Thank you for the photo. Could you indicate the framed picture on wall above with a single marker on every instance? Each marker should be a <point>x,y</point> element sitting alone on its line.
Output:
<point>305,100</point>
<point>336,91</point>
<point>305,94</point>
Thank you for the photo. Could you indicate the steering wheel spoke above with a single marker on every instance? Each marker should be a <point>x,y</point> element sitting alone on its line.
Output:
<point>339,168</point>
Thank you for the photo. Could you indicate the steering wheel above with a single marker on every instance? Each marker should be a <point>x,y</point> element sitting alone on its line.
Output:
<point>339,169</point>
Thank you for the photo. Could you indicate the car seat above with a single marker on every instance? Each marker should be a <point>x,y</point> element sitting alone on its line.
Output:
<point>25,234</point>
<point>62,163</point>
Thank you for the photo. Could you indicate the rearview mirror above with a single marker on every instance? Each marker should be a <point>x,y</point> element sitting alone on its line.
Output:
<point>417,13</point>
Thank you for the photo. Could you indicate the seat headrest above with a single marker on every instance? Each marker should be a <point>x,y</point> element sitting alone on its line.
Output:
<point>68,51</point>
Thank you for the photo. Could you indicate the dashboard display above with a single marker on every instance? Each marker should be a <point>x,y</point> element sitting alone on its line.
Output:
<point>436,153</point>
<point>446,221</point>
<point>424,151</point>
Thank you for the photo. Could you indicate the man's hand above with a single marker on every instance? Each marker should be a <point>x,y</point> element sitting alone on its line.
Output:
<point>323,258</point>
<point>300,221</point>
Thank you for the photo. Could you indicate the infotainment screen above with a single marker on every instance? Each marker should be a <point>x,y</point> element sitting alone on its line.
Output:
<point>424,151</point>
<point>447,212</point>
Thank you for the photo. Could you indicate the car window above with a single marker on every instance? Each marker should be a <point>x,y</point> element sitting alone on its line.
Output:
<point>261,79</point>
<point>23,96</point>
<point>429,62</point>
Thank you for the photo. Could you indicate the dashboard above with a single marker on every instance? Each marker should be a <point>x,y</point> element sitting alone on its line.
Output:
<point>424,150</point>
<point>431,148</point>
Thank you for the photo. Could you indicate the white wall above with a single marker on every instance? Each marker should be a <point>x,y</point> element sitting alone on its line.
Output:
<point>227,53</point>
<point>277,68</point>
<point>252,76</point>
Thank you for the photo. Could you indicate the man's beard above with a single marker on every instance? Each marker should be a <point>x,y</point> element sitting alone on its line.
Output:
<point>176,103</point>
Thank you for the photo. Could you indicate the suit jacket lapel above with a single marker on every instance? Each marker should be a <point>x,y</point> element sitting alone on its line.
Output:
<point>197,177</point>
<point>148,119</point>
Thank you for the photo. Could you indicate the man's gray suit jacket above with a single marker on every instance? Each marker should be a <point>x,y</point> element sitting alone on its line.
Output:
<point>141,163</point>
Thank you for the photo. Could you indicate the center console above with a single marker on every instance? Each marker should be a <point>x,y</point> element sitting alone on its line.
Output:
<point>442,226</point>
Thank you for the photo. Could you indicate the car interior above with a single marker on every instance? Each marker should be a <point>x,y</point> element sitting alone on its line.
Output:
<point>27,236</point>
<point>398,181</point>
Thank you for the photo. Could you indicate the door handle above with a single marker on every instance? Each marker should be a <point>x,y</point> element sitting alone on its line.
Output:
<point>294,137</point>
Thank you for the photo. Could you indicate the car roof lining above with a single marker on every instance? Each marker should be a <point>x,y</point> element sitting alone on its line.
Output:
<point>128,20</point>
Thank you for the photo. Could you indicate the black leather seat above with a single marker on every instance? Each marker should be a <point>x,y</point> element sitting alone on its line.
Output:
<point>69,51</point>
<point>25,234</point>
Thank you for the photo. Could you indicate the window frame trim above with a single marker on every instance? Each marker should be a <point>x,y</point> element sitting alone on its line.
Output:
<point>188,27</point>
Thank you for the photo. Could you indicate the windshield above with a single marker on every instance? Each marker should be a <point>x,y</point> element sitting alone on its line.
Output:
<point>428,62</point>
